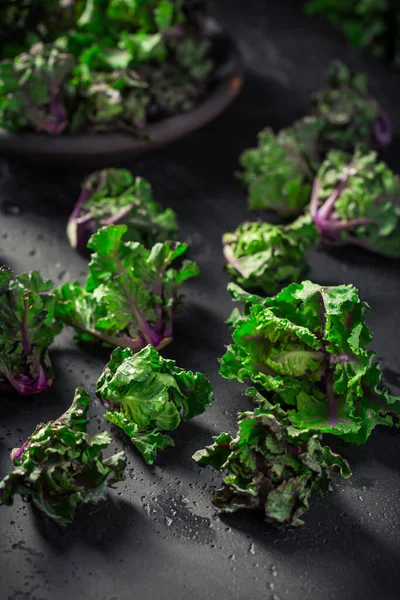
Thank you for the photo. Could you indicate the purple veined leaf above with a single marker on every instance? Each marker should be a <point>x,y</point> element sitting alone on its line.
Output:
<point>305,349</point>
<point>115,197</point>
<point>60,467</point>
<point>27,329</point>
<point>131,293</point>
<point>356,200</point>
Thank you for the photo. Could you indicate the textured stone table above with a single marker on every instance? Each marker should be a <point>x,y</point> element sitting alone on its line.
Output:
<point>157,537</point>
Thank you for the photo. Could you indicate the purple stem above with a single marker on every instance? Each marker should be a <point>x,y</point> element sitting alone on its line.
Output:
<point>16,453</point>
<point>338,226</point>
<point>83,219</point>
<point>314,198</point>
<point>332,405</point>
<point>26,343</point>
<point>85,194</point>
<point>114,340</point>
<point>59,112</point>
<point>27,386</point>
<point>327,207</point>
<point>83,198</point>
<point>113,219</point>
<point>168,325</point>
<point>150,336</point>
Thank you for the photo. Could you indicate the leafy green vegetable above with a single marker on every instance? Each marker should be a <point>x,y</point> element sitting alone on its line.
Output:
<point>27,328</point>
<point>130,294</point>
<point>348,114</point>
<point>279,172</point>
<point>31,90</point>
<point>356,200</point>
<point>111,100</point>
<point>60,466</point>
<point>305,349</point>
<point>268,257</point>
<point>126,64</point>
<point>271,465</point>
<point>371,24</point>
<point>146,394</point>
<point>114,196</point>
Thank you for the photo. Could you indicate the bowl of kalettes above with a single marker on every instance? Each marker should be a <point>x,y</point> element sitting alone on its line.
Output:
<point>100,81</point>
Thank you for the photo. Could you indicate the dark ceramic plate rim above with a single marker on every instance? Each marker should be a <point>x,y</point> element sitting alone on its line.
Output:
<point>105,148</point>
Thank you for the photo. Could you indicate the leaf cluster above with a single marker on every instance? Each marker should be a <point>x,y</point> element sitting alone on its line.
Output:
<point>268,257</point>
<point>272,466</point>
<point>356,200</point>
<point>114,196</point>
<point>279,172</point>
<point>60,467</point>
<point>130,295</point>
<point>306,350</point>
<point>145,394</point>
<point>126,64</point>
<point>27,329</point>
<point>373,24</point>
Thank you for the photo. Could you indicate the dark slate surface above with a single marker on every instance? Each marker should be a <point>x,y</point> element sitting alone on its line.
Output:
<point>157,537</point>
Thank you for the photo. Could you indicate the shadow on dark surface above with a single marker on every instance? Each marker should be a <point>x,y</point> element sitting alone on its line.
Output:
<point>188,437</point>
<point>337,535</point>
<point>102,526</point>
<point>196,327</point>
<point>391,377</point>
<point>25,407</point>
<point>382,446</point>
<point>363,259</point>
<point>79,352</point>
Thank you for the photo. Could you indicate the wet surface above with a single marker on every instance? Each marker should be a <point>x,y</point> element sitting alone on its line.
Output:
<point>157,537</point>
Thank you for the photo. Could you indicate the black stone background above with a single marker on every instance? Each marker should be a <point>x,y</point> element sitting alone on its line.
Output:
<point>157,537</point>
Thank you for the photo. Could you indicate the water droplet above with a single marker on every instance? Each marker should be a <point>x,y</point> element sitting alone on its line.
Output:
<point>232,557</point>
<point>273,571</point>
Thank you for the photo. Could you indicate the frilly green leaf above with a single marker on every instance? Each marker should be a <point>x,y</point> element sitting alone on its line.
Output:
<point>145,394</point>
<point>305,349</point>
<point>60,467</point>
